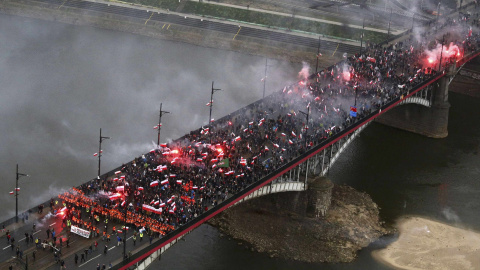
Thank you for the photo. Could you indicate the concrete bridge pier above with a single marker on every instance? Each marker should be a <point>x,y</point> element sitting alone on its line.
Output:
<point>429,121</point>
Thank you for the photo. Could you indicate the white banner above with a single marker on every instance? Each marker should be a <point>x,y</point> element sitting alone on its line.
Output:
<point>80,232</point>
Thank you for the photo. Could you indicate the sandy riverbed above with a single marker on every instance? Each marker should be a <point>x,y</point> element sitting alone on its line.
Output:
<point>427,244</point>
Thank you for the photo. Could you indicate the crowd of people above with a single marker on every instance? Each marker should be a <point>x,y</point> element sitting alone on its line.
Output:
<point>176,182</point>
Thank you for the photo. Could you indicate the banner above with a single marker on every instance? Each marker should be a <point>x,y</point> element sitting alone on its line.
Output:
<point>224,163</point>
<point>80,232</point>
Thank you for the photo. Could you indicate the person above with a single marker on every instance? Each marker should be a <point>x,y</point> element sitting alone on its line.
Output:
<point>95,245</point>
<point>104,267</point>
<point>119,240</point>
<point>98,266</point>
<point>134,239</point>
<point>151,238</point>
<point>141,236</point>
<point>76,258</point>
<point>48,233</point>
<point>68,241</point>
<point>82,259</point>
<point>34,254</point>
<point>86,253</point>
<point>105,250</point>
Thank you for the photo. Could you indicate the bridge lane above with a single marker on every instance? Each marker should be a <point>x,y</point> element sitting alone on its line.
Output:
<point>206,24</point>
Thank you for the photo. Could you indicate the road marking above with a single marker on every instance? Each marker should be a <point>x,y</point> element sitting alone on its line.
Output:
<point>90,260</point>
<point>336,49</point>
<point>36,232</point>
<point>239,28</point>
<point>112,248</point>
<point>6,247</point>
<point>168,26</point>
<point>129,237</point>
<point>62,4</point>
<point>149,18</point>
<point>164,25</point>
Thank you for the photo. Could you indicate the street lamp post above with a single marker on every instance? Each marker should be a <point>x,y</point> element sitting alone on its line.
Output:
<point>160,123</point>
<point>361,36</point>
<point>264,78</point>
<point>390,22</point>
<point>211,104</point>
<point>16,192</point>
<point>307,114</point>
<point>441,55</point>
<point>100,151</point>
<point>318,55</point>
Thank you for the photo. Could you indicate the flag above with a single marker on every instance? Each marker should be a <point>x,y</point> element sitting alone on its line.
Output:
<point>238,139</point>
<point>266,148</point>
<point>293,134</point>
<point>115,179</point>
<point>353,111</point>
<point>155,127</point>
<point>229,173</point>
<point>163,145</point>
<point>118,172</point>
<point>290,142</point>
<point>209,103</point>
<point>154,183</point>
<point>122,177</point>
<point>11,192</point>
<point>164,182</point>
<point>243,161</point>
<point>123,203</point>
<point>179,182</point>
<point>224,163</point>
<point>140,188</point>
<point>120,188</point>
<point>152,151</point>
<point>96,154</point>
<point>173,175</point>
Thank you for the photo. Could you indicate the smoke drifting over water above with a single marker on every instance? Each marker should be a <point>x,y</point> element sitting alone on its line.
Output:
<point>61,84</point>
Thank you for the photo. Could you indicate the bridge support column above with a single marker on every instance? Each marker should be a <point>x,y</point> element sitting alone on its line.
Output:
<point>431,122</point>
<point>319,196</point>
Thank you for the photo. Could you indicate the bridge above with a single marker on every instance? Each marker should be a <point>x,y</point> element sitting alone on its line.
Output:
<point>276,144</point>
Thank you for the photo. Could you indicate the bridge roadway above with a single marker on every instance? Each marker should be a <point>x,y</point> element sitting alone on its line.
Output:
<point>206,24</point>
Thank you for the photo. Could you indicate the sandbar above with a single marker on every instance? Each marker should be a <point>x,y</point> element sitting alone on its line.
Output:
<point>428,244</point>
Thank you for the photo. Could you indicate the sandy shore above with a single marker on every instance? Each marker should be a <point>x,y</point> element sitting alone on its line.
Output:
<point>427,244</point>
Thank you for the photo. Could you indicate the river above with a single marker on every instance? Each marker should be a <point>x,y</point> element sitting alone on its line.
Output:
<point>60,84</point>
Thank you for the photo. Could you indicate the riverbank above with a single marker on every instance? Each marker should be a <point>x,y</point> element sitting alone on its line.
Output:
<point>428,244</point>
<point>274,225</point>
<point>176,33</point>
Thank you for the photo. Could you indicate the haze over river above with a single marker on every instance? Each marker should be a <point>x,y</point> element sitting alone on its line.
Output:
<point>59,84</point>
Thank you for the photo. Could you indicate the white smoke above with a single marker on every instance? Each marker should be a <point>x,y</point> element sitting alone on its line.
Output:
<point>304,72</point>
<point>450,215</point>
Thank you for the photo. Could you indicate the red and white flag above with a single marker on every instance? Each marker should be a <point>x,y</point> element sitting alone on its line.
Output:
<point>155,127</point>
<point>243,161</point>
<point>293,134</point>
<point>120,188</point>
<point>96,154</point>
<point>11,192</point>
<point>154,183</point>
<point>290,142</point>
<point>140,188</point>
<point>164,182</point>
<point>238,138</point>
<point>163,145</point>
<point>118,172</point>
<point>179,182</point>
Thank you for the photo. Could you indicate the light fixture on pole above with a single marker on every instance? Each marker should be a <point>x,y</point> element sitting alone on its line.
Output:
<point>101,138</point>
<point>16,192</point>
<point>211,104</point>
<point>160,123</point>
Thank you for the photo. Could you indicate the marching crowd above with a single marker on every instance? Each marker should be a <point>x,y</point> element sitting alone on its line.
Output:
<point>175,183</point>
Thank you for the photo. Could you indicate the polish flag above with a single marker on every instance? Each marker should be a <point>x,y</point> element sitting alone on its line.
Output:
<point>204,154</point>
<point>164,182</point>
<point>290,142</point>
<point>283,134</point>
<point>317,98</point>
<point>118,172</point>
<point>201,188</point>
<point>209,103</point>
<point>250,123</point>
<point>195,187</point>
<point>163,145</point>
<point>155,127</point>
<point>214,160</point>
<point>276,145</point>
<point>243,161</point>
<point>238,139</point>
<point>214,166</point>
<point>212,120</point>
<point>123,203</point>
<point>229,173</point>
<point>120,188</point>
<point>163,167</point>
<point>115,179</point>
<point>179,182</point>
<point>266,148</point>
<point>283,149</point>
<point>96,154</point>
<point>154,183</point>
<point>152,151</point>
<point>245,130</point>
<point>122,177</point>
<point>169,200</point>
<point>199,159</point>
<point>260,124</point>
<point>173,175</point>
<point>156,203</point>
<point>162,204</point>
<point>140,188</point>
<point>114,197</point>
<point>11,192</point>
<point>293,134</point>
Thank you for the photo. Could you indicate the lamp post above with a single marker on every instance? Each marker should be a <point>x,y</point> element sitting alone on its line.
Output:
<point>264,78</point>
<point>318,55</point>
<point>160,123</point>
<point>211,104</point>
<point>441,55</point>
<point>16,192</point>
<point>361,36</point>
<point>307,114</point>
<point>101,138</point>
<point>389,22</point>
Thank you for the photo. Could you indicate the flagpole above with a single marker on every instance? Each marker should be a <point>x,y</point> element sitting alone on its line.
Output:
<point>318,55</point>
